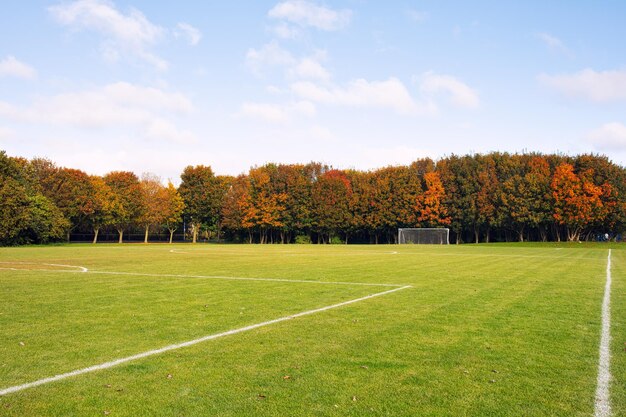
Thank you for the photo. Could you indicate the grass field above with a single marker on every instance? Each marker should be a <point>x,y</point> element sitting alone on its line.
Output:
<point>483,330</point>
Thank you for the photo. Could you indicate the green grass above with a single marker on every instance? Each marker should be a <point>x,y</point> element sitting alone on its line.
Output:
<point>485,330</point>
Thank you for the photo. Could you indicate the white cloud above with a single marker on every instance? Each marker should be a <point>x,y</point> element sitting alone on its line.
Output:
<point>277,113</point>
<point>305,13</point>
<point>592,85</point>
<point>390,94</point>
<point>147,97</point>
<point>553,43</point>
<point>310,68</point>
<point>112,106</point>
<point>163,129</point>
<point>285,31</point>
<point>130,33</point>
<point>192,34</point>
<point>11,67</point>
<point>417,16</point>
<point>270,55</point>
<point>609,137</point>
<point>460,93</point>
<point>272,89</point>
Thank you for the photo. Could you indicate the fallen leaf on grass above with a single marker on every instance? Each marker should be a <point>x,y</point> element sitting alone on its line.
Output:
<point>492,381</point>
<point>107,386</point>
<point>365,367</point>
<point>169,376</point>
<point>107,412</point>
<point>354,398</point>
<point>261,397</point>
<point>22,343</point>
<point>286,377</point>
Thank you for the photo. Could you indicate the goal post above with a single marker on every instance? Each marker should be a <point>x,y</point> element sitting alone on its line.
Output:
<point>424,235</point>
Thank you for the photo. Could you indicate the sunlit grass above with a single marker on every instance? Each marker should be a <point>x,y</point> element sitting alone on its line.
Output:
<point>487,330</point>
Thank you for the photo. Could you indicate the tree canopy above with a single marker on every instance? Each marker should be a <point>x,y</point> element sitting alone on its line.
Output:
<point>480,197</point>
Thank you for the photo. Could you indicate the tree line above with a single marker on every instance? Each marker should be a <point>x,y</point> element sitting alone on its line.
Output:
<point>481,198</point>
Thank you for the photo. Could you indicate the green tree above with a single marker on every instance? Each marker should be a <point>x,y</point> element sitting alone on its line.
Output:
<point>203,195</point>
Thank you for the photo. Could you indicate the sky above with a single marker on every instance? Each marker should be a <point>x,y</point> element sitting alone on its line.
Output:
<point>151,86</point>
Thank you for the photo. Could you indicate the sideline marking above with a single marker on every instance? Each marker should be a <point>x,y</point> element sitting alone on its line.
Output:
<point>603,399</point>
<point>164,349</point>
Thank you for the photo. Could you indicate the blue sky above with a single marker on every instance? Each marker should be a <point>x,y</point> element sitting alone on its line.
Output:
<point>154,86</point>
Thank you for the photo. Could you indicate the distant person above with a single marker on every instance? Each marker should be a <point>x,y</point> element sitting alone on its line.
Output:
<point>606,237</point>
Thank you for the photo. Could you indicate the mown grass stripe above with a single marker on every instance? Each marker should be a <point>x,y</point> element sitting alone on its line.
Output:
<point>168,348</point>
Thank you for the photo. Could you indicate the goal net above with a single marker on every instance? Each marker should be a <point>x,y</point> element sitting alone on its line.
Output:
<point>431,236</point>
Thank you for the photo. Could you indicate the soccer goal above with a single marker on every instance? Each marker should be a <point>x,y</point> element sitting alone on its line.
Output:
<point>427,236</point>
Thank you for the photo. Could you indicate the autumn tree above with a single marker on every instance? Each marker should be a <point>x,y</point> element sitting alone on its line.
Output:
<point>69,189</point>
<point>172,208</point>
<point>267,204</point>
<point>331,195</point>
<point>432,211</point>
<point>526,198</point>
<point>459,177</point>
<point>153,202</point>
<point>103,203</point>
<point>576,200</point>
<point>237,210</point>
<point>126,188</point>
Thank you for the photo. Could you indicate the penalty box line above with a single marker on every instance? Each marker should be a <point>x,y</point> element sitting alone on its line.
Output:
<point>168,348</point>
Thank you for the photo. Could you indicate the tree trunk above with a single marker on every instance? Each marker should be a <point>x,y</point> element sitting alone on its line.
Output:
<point>194,230</point>
<point>573,235</point>
<point>95,236</point>
<point>476,234</point>
<point>487,235</point>
<point>121,232</point>
<point>249,236</point>
<point>145,238</point>
<point>171,235</point>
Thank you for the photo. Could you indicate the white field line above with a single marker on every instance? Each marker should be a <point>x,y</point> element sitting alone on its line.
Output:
<point>79,268</point>
<point>300,281</point>
<point>168,348</point>
<point>216,277</point>
<point>603,399</point>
